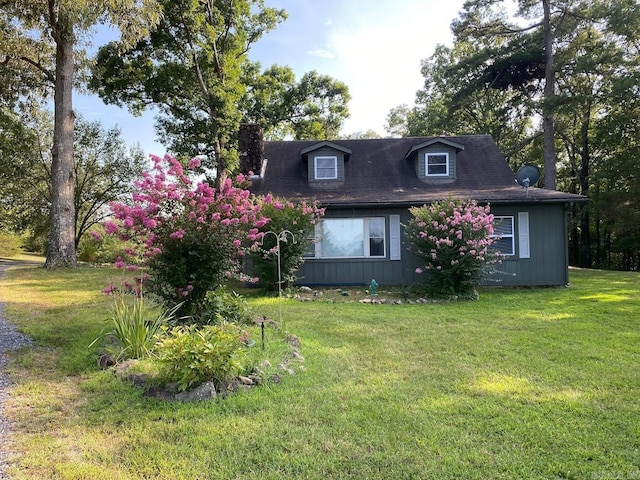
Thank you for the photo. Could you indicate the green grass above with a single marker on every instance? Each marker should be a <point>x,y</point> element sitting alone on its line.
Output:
<point>524,383</point>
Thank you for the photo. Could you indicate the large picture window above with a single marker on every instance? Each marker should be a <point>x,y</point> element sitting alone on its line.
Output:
<point>503,233</point>
<point>326,168</point>
<point>436,164</point>
<point>350,238</point>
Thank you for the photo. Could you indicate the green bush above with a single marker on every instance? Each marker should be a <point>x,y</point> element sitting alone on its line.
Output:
<point>95,247</point>
<point>9,245</point>
<point>134,328</point>
<point>221,306</point>
<point>191,355</point>
<point>294,225</point>
<point>452,238</point>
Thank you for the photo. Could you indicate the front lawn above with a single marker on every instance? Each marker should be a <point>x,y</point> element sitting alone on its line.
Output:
<point>524,383</point>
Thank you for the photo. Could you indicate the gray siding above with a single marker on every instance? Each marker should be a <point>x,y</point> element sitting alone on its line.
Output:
<point>547,265</point>
<point>548,262</point>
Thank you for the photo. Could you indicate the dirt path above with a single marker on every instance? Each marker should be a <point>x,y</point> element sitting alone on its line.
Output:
<point>10,339</point>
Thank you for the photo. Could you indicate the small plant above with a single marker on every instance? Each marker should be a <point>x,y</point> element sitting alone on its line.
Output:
<point>221,306</point>
<point>191,355</point>
<point>132,329</point>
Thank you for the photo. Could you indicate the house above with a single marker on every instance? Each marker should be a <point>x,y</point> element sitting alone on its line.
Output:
<point>368,185</point>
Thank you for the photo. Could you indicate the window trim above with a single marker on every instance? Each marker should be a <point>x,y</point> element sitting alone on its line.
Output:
<point>316,167</point>
<point>366,239</point>
<point>512,235</point>
<point>447,164</point>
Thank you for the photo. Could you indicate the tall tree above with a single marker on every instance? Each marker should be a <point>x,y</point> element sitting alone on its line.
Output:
<point>190,67</point>
<point>104,170</point>
<point>486,20</point>
<point>40,38</point>
<point>313,108</point>
<point>499,70</point>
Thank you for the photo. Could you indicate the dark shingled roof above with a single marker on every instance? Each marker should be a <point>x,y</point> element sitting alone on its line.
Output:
<point>378,172</point>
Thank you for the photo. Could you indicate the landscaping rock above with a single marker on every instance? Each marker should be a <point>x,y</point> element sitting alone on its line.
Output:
<point>105,361</point>
<point>293,340</point>
<point>138,379</point>
<point>275,378</point>
<point>296,355</point>
<point>245,380</point>
<point>206,391</point>
<point>163,392</point>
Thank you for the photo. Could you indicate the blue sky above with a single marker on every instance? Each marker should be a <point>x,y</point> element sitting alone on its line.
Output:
<point>374,46</point>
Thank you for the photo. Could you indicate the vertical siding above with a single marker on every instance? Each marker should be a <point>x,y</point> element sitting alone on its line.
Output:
<point>547,264</point>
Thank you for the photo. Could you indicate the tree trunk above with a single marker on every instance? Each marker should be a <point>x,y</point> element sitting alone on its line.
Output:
<point>61,250</point>
<point>585,227</point>
<point>547,105</point>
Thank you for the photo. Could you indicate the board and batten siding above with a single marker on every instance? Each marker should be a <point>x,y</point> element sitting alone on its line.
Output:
<point>540,258</point>
<point>389,270</point>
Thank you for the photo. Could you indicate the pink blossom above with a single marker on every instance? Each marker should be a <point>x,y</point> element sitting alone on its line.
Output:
<point>194,163</point>
<point>178,234</point>
<point>110,228</point>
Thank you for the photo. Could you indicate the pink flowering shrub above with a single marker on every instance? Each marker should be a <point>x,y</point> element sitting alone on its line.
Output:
<point>452,239</point>
<point>189,236</point>
<point>298,219</point>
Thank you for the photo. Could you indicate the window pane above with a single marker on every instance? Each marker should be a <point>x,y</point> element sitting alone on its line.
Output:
<point>376,227</point>
<point>503,245</point>
<point>437,164</point>
<point>342,238</point>
<point>326,167</point>
<point>376,247</point>
<point>502,226</point>
<point>503,235</point>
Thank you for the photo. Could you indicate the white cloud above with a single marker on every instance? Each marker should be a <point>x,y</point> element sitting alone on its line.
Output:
<point>380,58</point>
<point>321,53</point>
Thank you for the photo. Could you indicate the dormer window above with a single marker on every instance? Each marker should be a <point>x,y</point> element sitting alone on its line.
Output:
<point>436,164</point>
<point>326,168</point>
<point>325,163</point>
<point>435,160</point>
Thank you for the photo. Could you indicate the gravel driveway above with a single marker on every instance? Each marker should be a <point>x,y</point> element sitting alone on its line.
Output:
<point>9,339</point>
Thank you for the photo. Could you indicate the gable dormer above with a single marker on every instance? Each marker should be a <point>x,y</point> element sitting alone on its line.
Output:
<point>435,160</point>
<point>325,162</point>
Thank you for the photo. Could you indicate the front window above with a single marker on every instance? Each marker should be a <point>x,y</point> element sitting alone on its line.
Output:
<point>503,235</point>
<point>436,164</point>
<point>326,168</point>
<point>350,238</point>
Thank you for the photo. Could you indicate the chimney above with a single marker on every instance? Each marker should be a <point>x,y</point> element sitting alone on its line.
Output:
<point>251,148</point>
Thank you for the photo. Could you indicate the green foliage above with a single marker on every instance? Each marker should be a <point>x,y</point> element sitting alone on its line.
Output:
<point>190,68</point>
<point>134,328</point>
<point>99,248</point>
<point>294,225</point>
<point>10,245</point>
<point>221,306</point>
<point>313,108</point>
<point>191,355</point>
<point>452,238</point>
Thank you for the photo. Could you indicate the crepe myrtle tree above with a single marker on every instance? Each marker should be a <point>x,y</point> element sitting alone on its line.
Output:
<point>297,222</point>
<point>452,238</point>
<point>188,236</point>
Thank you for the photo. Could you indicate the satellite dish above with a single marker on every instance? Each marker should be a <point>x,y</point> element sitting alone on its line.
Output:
<point>527,175</point>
